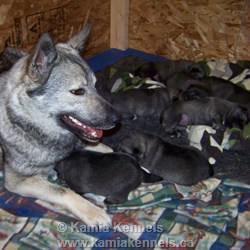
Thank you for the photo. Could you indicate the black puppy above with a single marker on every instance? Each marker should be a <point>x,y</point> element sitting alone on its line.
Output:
<point>112,175</point>
<point>159,71</point>
<point>182,165</point>
<point>143,102</point>
<point>210,111</point>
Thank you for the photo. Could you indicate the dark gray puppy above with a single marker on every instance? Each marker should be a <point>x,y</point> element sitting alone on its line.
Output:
<point>208,86</point>
<point>225,89</point>
<point>182,165</point>
<point>161,70</point>
<point>191,88</point>
<point>210,111</point>
<point>143,102</point>
<point>181,81</point>
<point>112,175</point>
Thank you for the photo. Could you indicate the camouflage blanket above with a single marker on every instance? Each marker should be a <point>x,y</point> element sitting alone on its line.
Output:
<point>237,72</point>
<point>214,214</point>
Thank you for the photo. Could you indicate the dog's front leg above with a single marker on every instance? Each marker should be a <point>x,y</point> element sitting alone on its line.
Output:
<point>37,187</point>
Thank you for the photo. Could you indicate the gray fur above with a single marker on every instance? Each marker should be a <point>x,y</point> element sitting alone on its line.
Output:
<point>182,165</point>
<point>35,95</point>
<point>160,71</point>
<point>210,111</point>
<point>143,102</point>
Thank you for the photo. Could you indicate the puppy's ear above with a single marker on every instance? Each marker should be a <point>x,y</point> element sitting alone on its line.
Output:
<point>238,117</point>
<point>42,59</point>
<point>243,116</point>
<point>78,41</point>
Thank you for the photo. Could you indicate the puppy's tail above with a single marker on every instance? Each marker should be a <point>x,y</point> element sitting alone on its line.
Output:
<point>151,178</point>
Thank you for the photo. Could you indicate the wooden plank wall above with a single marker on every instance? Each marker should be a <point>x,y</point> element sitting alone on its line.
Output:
<point>119,24</point>
<point>23,21</point>
<point>191,29</point>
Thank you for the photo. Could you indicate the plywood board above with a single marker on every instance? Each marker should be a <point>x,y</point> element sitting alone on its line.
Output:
<point>23,21</point>
<point>191,29</point>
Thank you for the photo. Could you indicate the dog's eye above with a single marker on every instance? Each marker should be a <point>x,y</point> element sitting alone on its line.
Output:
<point>77,91</point>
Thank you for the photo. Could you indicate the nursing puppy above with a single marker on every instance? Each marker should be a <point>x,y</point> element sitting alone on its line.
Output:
<point>181,81</point>
<point>159,71</point>
<point>182,165</point>
<point>210,111</point>
<point>143,102</point>
<point>208,86</point>
<point>191,88</point>
<point>112,175</point>
<point>225,89</point>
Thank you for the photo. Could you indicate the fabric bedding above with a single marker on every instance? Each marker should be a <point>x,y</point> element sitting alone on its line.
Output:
<point>214,214</point>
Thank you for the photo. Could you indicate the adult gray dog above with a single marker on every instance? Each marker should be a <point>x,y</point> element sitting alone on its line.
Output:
<point>48,101</point>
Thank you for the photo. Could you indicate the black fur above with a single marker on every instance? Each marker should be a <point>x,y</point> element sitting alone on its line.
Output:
<point>112,175</point>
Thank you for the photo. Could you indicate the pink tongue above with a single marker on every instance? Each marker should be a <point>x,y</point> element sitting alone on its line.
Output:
<point>94,133</point>
<point>99,133</point>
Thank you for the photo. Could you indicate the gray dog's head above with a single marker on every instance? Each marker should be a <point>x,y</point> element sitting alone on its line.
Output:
<point>60,89</point>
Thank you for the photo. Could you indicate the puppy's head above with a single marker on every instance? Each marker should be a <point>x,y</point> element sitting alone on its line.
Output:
<point>237,117</point>
<point>134,145</point>
<point>196,91</point>
<point>175,94</point>
<point>147,70</point>
<point>196,71</point>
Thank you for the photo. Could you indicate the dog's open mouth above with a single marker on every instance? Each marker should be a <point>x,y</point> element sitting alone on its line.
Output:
<point>90,133</point>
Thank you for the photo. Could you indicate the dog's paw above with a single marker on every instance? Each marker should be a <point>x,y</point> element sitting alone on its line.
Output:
<point>87,212</point>
<point>97,217</point>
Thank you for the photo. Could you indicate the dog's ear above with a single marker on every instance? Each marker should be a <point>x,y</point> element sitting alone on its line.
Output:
<point>78,41</point>
<point>42,59</point>
<point>237,117</point>
<point>243,117</point>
